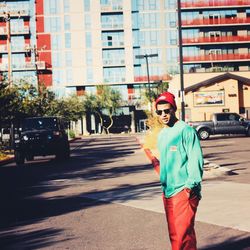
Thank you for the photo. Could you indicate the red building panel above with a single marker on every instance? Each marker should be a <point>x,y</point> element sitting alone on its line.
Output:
<point>39,7</point>
<point>44,41</point>
<point>40,24</point>
<point>45,78</point>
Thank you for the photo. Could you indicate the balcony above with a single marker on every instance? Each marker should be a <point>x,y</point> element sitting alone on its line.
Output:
<point>215,22</point>
<point>112,44</point>
<point>3,31</point>
<point>112,26</point>
<point>216,58</point>
<point>114,79</point>
<point>216,39</point>
<point>41,65</point>
<point>145,78</point>
<point>113,62</point>
<point>15,13</point>
<point>111,8</point>
<point>214,4</point>
<point>14,49</point>
<point>20,30</point>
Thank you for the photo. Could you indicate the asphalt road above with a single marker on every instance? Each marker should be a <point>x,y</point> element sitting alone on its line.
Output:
<point>105,197</point>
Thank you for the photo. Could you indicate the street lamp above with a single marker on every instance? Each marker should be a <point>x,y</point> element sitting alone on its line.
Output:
<point>146,56</point>
<point>182,94</point>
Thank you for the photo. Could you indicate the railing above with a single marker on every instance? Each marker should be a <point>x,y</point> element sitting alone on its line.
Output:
<point>215,21</point>
<point>114,79</point>
<point>112,25</point>
<point>4,49</point>
<point>25,66</point>
<point>20,30</point>
<point>112,43</point>
<point>108,8</point>
<point>218,39</point>
<point>14,13</point>
<point>113,61</point>
<point>3,31</point>
<point>214,3</point>
<point>216,57</point>
<point>145,78</point>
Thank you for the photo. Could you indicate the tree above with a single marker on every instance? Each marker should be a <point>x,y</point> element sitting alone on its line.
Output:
<point>70,108</point>
<point>105,102</point>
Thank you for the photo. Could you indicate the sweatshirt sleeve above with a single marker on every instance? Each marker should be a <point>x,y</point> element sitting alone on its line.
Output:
<point>194,158</point>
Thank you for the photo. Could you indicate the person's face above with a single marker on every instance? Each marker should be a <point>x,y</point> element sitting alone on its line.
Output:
<point>166,113</point>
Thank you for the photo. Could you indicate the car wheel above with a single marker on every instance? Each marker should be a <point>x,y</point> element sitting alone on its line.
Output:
<point>248,132</point>
<point>64,153</point>
<point>203,134</point>
<point>19,158</point>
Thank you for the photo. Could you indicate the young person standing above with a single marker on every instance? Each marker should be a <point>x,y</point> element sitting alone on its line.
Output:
<point>181,169</point>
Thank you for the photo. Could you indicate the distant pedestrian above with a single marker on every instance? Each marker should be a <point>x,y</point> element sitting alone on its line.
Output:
<point>181,169</point>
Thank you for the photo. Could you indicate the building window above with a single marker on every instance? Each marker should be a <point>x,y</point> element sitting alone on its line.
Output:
<point>68,59</point>
<point>88,40</point>
<point>66,23</point>
<point>56,59</point>
<point>69,75</point>
<point>89,57</point>
<point>57,77</point>
<point>170,4</point>
<point>56,42</point>
<point>87,21</point>
<point>114,75</point>
<point>89,75</point>
<point>86,5</point>
<point>67,40</point>
<point>66,6</point>
<point>53,24</point>
<point>52,6</point>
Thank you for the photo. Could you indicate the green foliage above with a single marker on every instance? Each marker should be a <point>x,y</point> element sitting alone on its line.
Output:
<point>152,93</point>
<point>107,100</point>
<point>25,100</point>
<point>70,108</point>
<point>72,134</point>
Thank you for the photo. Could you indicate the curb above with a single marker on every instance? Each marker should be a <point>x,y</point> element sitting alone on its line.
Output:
<point>7,161</point>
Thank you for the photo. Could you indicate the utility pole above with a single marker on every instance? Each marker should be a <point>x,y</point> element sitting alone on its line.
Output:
<point>7,20</point>
<point>35,51</point>
<point>182,94</point>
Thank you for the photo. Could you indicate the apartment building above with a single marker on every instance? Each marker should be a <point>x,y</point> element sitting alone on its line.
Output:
<point>216,35</point>
<point>73,45</point>
<point>24,48</point>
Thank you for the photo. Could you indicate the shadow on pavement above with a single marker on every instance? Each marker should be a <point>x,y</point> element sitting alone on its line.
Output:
<point>232,244</point>
<point>22,189</point>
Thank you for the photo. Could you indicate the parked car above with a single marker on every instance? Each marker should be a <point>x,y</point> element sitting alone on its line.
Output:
<point>222,123</point>
<point>41,136</point>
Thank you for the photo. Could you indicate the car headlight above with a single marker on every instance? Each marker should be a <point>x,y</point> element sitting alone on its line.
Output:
<point>25,137</point>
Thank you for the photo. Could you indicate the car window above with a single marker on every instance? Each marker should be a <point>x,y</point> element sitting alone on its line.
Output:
<point>39,124</point>
<point>222,117</point>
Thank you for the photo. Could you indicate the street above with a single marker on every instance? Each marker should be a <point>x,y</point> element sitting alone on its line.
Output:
<point>107,196</point>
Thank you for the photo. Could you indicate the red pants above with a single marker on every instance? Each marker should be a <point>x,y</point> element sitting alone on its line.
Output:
<point>180,213</point>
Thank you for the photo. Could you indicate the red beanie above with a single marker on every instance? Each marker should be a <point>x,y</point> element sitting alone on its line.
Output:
<point>167,97</point>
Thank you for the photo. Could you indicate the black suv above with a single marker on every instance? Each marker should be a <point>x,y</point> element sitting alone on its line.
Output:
<point>41,136</point>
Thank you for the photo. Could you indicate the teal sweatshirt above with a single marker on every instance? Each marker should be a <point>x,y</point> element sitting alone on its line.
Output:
<point>181,159</point>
